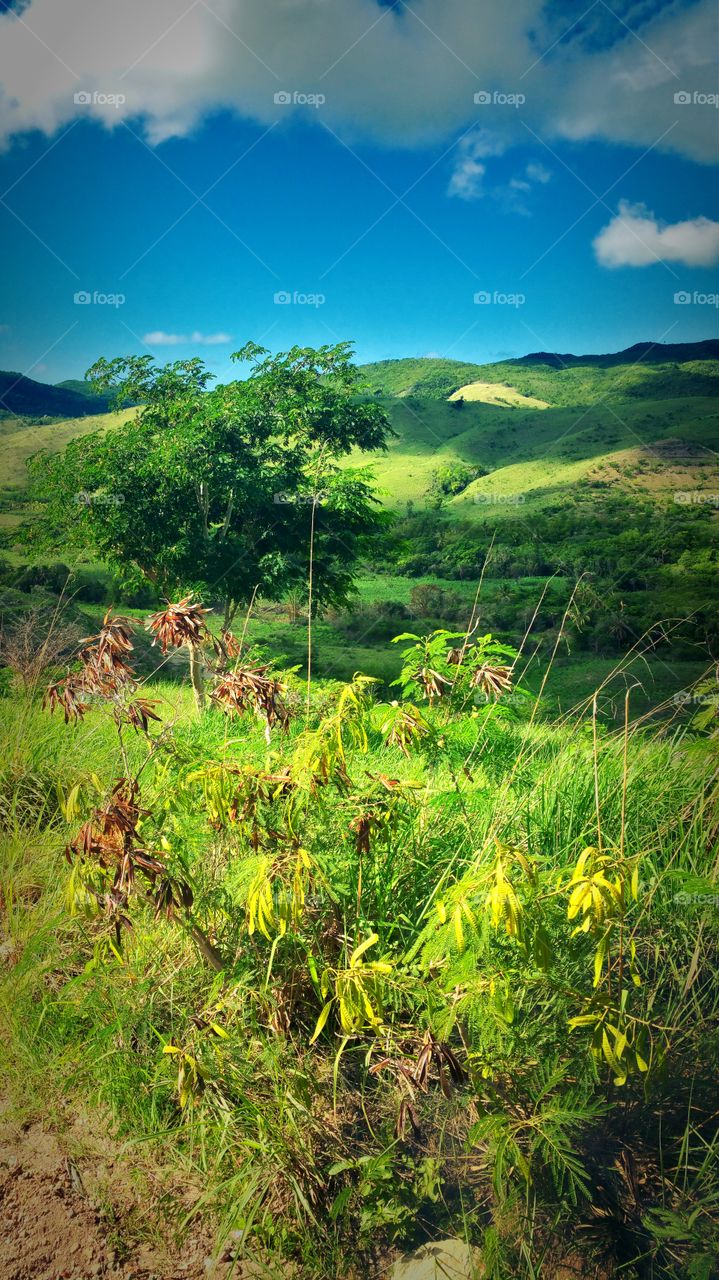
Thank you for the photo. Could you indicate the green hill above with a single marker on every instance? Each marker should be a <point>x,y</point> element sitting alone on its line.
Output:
<point>607,422</point>
<point>20,440</point>
<point>640,372</point>
<point>619,488</point>
<point>23,397</point>
<point>535,458</point>
<point>82,388</point>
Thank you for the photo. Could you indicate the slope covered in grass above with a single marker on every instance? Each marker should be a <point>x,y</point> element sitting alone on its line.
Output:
<point>651,373</point>
<point>644,446</point>
<point>20,440</point>
<point>497,393</point>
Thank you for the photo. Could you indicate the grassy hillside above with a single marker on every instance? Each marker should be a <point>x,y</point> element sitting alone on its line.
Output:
<point>618,494</point>
<point>600,419</point>
<point>80,387</point>
<point>539,457</point>
<point>20,440</point>
<point>497,393</point>
<point>424,376</point>
<point>560,380</point>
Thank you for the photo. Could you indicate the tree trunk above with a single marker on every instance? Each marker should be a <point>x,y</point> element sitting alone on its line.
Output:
<point>230,611</point>
<point>198,684</point>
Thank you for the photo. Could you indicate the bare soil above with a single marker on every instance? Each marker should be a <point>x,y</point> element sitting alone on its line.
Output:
<point>73,1208</point>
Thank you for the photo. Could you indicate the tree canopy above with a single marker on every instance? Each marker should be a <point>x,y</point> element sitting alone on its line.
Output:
<point>221,490</point>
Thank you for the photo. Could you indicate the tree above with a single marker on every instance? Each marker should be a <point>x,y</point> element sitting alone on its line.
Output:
<point>453,477</point>
<point>227,491</point>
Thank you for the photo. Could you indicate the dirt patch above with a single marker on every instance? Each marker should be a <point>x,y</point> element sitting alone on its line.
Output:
<point>73,1217</point>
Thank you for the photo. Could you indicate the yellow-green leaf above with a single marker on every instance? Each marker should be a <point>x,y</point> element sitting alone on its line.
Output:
<point>321,1021</point>
<point>364,946</point>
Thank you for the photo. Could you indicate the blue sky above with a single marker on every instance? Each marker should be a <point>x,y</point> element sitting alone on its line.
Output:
<point>580,211</point>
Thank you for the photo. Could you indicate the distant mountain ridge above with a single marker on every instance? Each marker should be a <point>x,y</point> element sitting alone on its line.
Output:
<point>24,398</point>
<point>641,352</point>
<point>644,370</point>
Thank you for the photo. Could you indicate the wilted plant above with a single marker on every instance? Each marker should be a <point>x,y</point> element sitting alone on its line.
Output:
<point>190,1075</point>
<point>250,688</point>
<point>240,796</point>
<point>414,1076</point>
<point>379,810</point>
<point>425,667</point>
<point>492,681</point>
<point>601,890</point>
<point>435,668</point>
<point>183,624</point>
<point>276,897</point>
<point>105,676</point>
<point>321,753</point>
<point>110,858</point>
<point>356,991</point>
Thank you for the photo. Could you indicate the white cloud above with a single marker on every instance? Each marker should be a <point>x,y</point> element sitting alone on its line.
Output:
<point>158,338</point>
<point>513,194</point>
<point>468,176</point>
<point>466,181</point>
<point>538,173</point>
<point>469,168</point>
<point>636,238</point>
<point>403,75</point>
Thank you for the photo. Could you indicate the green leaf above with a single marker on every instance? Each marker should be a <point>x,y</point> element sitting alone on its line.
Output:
<point>321,1021</point>
<point>364,946</point>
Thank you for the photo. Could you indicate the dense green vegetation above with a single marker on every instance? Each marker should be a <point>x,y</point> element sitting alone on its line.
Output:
<point>404,927</point>
<point>378,972</point>
<point>235,490</point>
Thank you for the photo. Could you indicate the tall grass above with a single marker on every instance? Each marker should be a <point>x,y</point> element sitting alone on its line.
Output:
<point>322,1142</point>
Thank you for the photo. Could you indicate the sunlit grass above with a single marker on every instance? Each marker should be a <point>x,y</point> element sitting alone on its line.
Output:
<point>277,1113</point>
